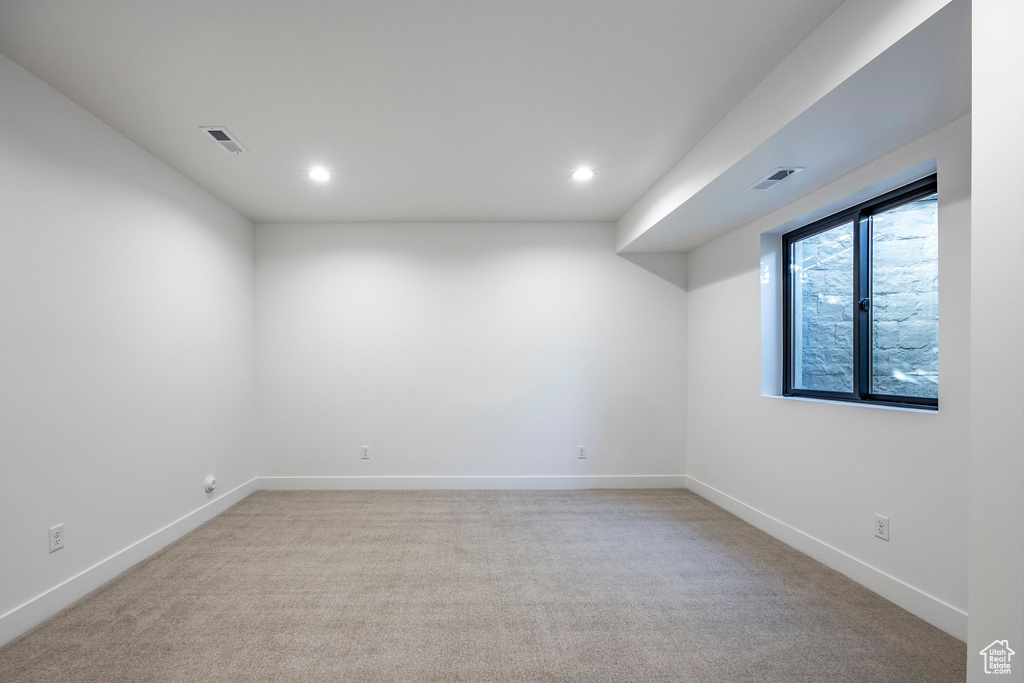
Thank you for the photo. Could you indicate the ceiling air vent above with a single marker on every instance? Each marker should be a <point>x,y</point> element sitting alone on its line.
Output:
<point>225,139</point>
<point>774,178</point>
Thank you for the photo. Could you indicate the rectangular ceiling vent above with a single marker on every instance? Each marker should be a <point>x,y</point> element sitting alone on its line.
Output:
<point>774,178</point>
<point>225,139</point>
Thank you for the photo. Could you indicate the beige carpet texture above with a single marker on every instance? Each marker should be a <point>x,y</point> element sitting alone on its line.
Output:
<point>481,586</point>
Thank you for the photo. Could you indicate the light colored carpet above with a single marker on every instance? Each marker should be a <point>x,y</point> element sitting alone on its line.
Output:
<point>480,586</point>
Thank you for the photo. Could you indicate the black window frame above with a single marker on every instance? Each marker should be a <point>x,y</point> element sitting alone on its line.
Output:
<point>859,215</point>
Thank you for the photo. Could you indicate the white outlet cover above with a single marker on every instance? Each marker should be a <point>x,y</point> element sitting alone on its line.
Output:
<point>56,535</point>
<point>882,527</point>
<point>364,452</point>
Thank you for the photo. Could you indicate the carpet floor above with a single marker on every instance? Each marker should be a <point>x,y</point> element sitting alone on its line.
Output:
<point>481,586</point>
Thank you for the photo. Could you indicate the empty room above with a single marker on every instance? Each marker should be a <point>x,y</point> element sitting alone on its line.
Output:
<point>482,341</point>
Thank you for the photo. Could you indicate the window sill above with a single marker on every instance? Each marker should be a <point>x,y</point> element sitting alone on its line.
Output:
<point>901,407</point>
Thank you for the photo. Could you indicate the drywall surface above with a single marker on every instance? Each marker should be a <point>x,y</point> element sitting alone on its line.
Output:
<point>851,37</point>
<point>819,471</point>
<point>126,327</point>
<point>997,339</point>
<point>488,351</point>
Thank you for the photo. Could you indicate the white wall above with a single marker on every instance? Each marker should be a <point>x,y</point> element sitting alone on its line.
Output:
<point>814,473</point>
<point>126,327</point>
<point>997,355</point>
<point>474,354</point>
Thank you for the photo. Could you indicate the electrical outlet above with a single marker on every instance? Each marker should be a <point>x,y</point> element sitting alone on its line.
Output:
<point>365,451</point>
<point>56,535</point>
<point>882,527</point>
<point>581,452</point>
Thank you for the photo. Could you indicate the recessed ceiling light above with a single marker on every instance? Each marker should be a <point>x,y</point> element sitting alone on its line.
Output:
<point>319,173</point>
<point>583,174</point>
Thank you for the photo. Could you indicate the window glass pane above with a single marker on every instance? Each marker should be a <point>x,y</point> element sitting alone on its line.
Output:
<point>905,300</point>
<point>822,277</point>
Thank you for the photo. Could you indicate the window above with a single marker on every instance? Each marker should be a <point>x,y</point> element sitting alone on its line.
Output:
<point>861,302</point>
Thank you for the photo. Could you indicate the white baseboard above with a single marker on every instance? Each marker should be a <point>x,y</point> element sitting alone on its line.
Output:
<point>27,615</point>
<point>629,481</point>
<point>950,619</point>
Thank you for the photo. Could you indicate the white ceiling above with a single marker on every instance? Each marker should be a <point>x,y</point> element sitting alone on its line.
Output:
<point>426,110</point>
<point>919,84</point>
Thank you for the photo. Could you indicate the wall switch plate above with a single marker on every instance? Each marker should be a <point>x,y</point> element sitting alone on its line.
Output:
<point>365,452</point>
<point>581,452</point>
<point>882,527</point>
<point>56,535</point>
